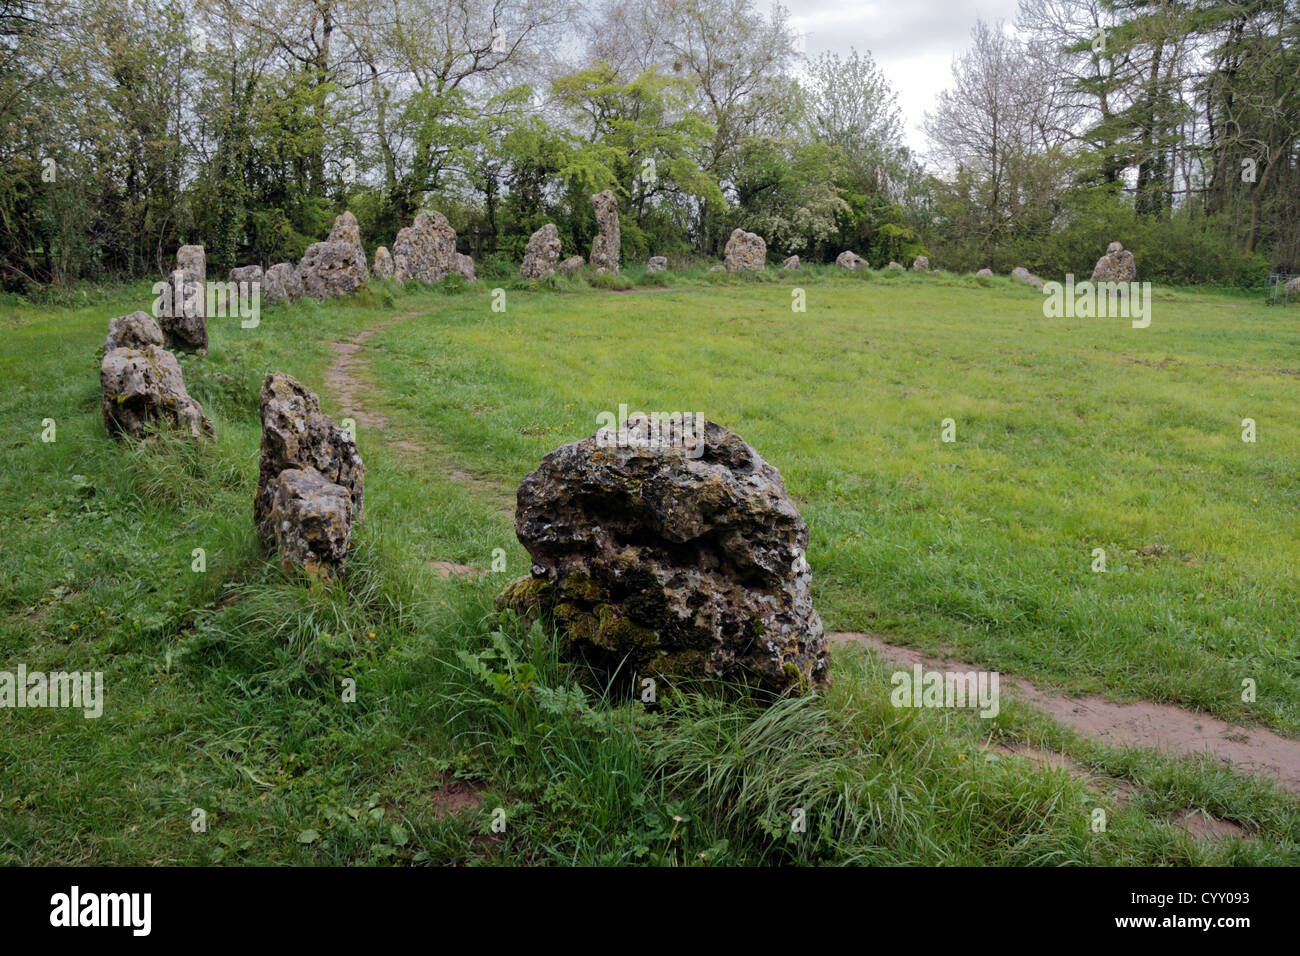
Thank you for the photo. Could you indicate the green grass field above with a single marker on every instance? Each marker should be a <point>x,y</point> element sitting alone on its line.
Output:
<point>224,688</point>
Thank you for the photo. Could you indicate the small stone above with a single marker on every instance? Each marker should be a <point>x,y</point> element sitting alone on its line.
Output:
<point>790,265</point>
<point>921,264</point>
<point>281,283</point>
<point>383,264</point>
<point>182,312</point>
<point>570,265</point>
<point>312,521</point>
<point>1116,265</point>
<point>851,261</point>
<point>657,264</point>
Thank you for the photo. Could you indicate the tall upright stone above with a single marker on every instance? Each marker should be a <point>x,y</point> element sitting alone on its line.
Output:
<point>182,309</point>
<point>347,230</point>
<point>606,248</point>
<point>426,250</point>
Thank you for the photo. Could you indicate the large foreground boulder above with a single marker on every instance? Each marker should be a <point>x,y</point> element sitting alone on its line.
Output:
<point>542,253</point>
<point>297,436</point>
<point>670,548</point>
<point>745,252</point>
<point>851,260</point>
<point>1116,265</point>
<point>182,311</point>
<point>606,248</point>
<point>141,389</point>
<point>281,283</point>
<point>135,331</point>
<point>330,269</point>
<point>425,250</point>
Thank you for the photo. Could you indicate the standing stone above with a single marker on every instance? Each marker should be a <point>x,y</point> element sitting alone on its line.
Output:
<point>329,269</point>
<point>894,267</point>
<point>426,250</point>
<point>985,272</point>
<point>791,264</point>
<point>312,521</point>
<point>1292,286</point>
<point>657,264</point>
<point>921,264</point>
<point>383,265</point>
<point>570,265</point>
<point>1116,265</point>
<point>606,248</point>
<point>135,331</point>
<point>182,312</point>
<point>346,230</point>
<point>141,389</point>
<point>249,274</point>
<point>463,265</point>
<point>1025,276</point>
<point>851,260</point>
<point>296,435</point>
<point>542,253</point>
<point>674,550</point>
<point>745,252</point>
<point>282,283</point>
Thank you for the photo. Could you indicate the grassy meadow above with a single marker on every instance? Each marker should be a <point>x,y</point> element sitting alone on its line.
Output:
<point>225,687</point>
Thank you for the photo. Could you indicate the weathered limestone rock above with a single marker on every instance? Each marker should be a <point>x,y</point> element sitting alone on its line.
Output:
<point>985,272</point>
<point>135,331</point>
<point>1025,276</point>
<point>921,264</point>
<point>894,267</point>
<point>463,265</point>
<point>1292,286</point>
<point>329,269</point>
<point>182,314</point>
<point>1116,265</point>
<point>312,522</point>
<point>346,230</point>
<point>657,264</point>
<point>606,247</point>
<point>282,283</point>
<point>426,249</point>
<point>297,435</point>
<point>542,253</point>
<point>249,274</point>
<point>745,252</point>
<point>851,260</point>
<point>570,265</point>
<point>685,558</point>
<point>142,389</point>
<point>383,265</point>
<point>790,264</point>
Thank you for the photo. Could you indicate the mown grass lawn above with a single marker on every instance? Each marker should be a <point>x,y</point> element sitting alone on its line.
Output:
<point>1071,435</point>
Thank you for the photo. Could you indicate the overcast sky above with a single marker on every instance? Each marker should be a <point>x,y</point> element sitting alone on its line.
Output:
<point>913,41</point>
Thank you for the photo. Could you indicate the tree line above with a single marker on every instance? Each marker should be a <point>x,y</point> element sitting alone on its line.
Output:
<point>133,126</point>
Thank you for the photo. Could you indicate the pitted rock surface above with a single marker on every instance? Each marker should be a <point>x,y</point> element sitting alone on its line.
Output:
<point>142,389</point>
<point>606,248</point>
<point>312,522</point>
<point>297,435</point>
<point>1116,265</point>
<point>689,567</point>
<point>745,252</point>
<point>542,253</point>
<point>135,331</point>
<point>182,313</point>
